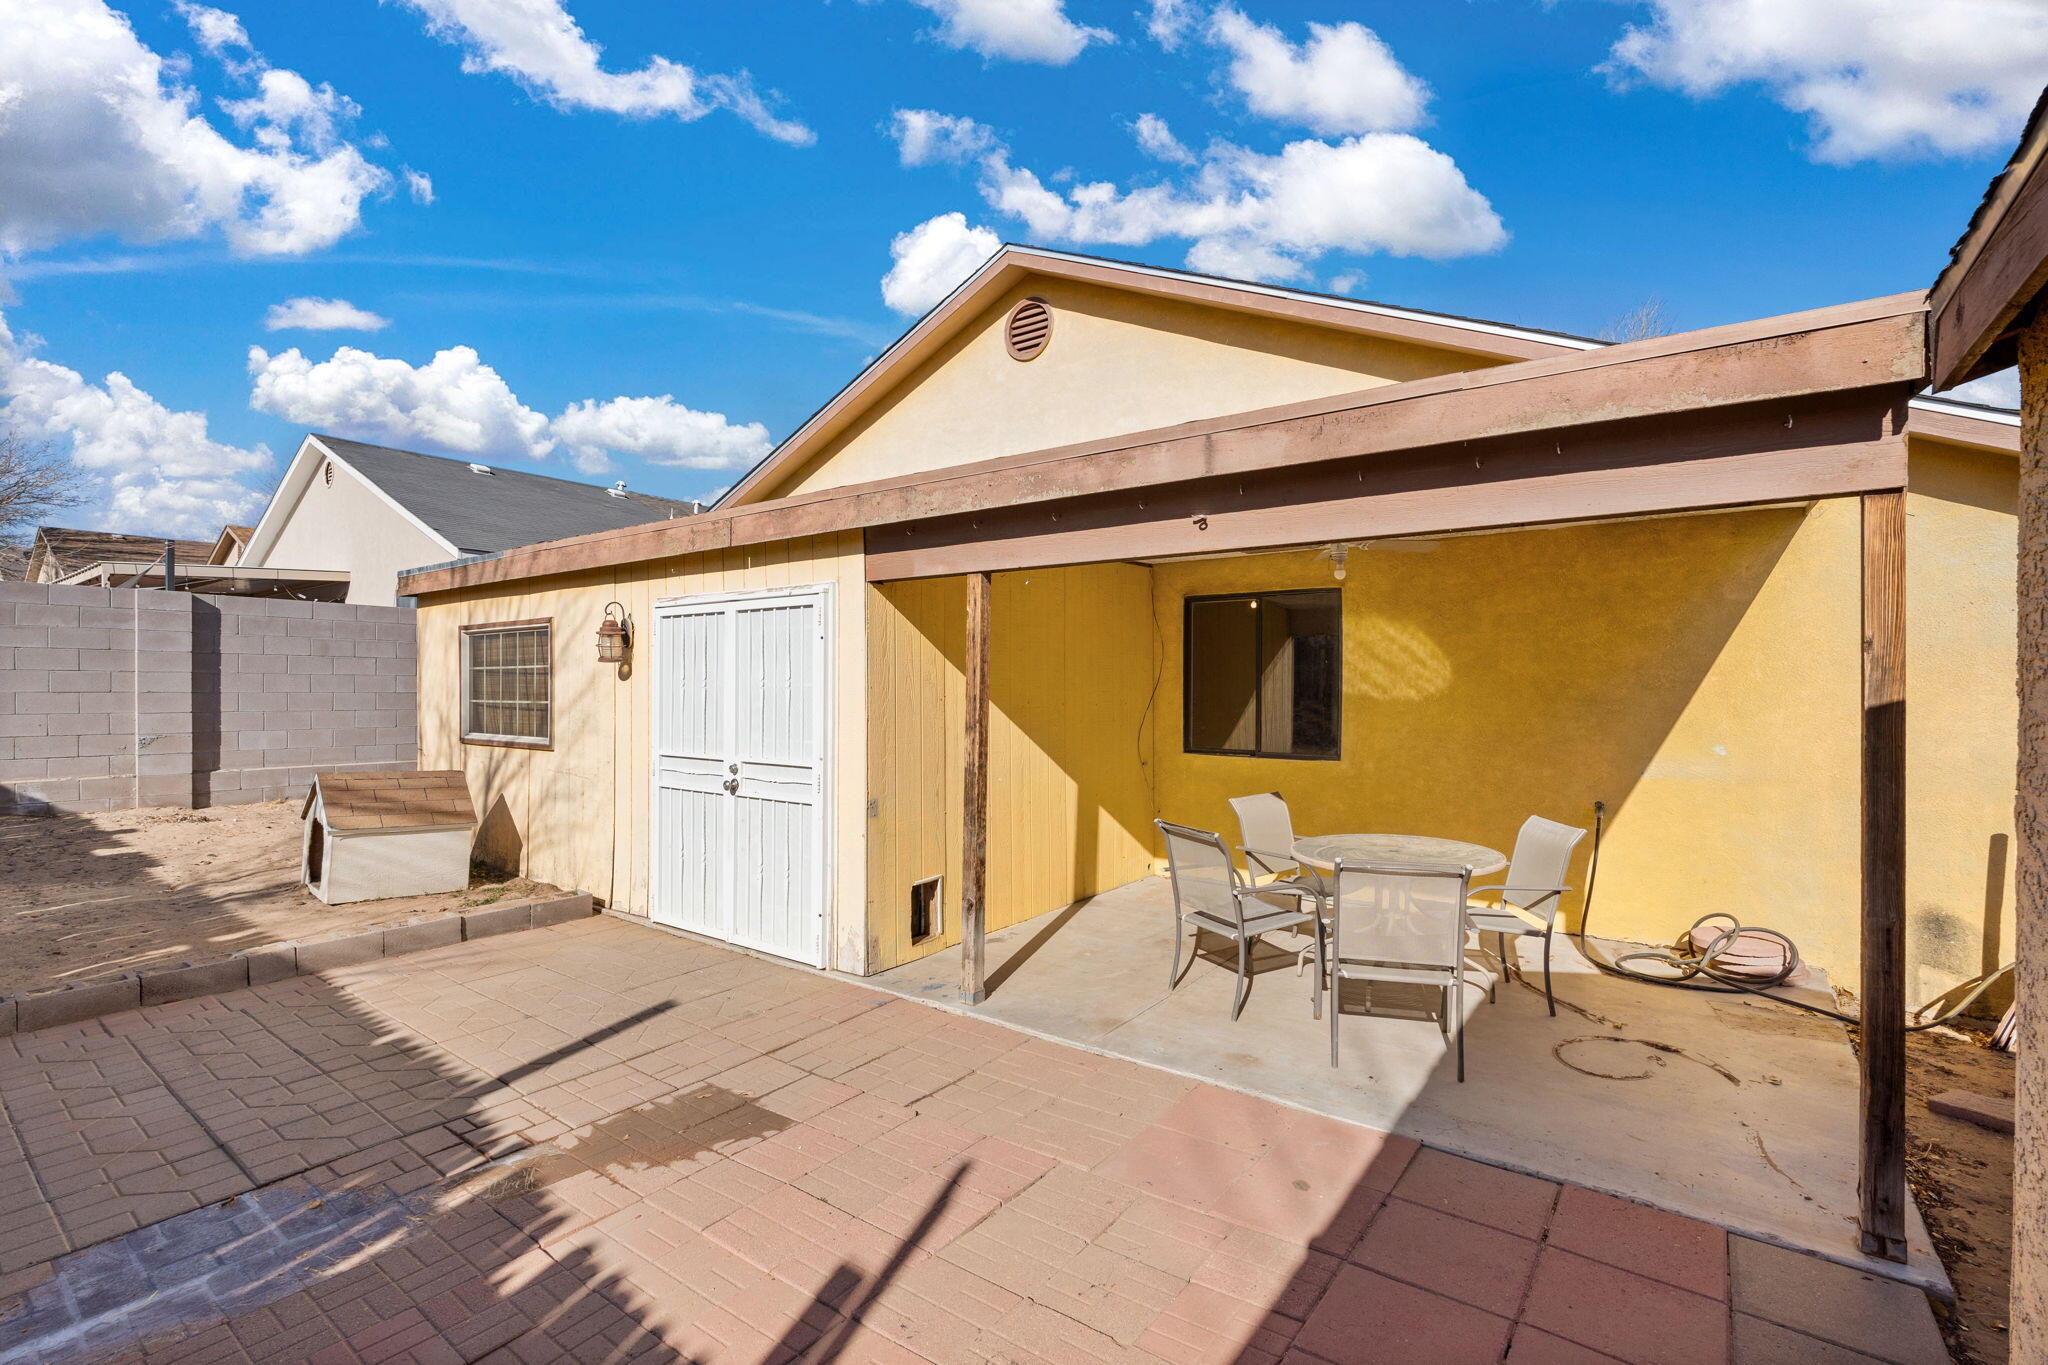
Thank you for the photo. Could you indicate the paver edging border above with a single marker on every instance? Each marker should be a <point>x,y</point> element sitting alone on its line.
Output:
<point>82,1000</point>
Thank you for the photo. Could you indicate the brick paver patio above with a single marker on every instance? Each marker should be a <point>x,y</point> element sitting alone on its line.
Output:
<point>601,1143</point>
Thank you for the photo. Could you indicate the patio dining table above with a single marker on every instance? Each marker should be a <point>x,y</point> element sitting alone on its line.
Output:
<point>1324,851</point>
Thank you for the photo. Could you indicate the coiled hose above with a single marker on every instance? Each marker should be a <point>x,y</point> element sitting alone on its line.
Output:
<point>1684,971</point>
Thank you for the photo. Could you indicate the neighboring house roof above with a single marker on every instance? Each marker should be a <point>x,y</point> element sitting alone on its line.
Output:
<point>230,543</point>
<point>1491,341</point>
<point>59,550</point>
<point>392,798</point>
<point>470,508</point>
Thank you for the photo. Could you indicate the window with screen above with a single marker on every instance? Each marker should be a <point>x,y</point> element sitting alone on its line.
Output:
<point>507,683</point>
<point>1263,674</point>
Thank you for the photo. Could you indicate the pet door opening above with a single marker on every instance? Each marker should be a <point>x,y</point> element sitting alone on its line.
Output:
<point>926,919</point>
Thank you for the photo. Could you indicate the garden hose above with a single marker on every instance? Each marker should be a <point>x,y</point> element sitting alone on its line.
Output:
<point>1684,970</point>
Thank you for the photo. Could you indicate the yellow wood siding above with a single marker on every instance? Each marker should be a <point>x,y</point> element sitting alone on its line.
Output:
<point>1070,803</point>
<point>578,815</point>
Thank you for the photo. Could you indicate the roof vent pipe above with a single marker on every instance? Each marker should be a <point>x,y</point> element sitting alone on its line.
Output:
<point>479,469</point>
<point>617,490</point>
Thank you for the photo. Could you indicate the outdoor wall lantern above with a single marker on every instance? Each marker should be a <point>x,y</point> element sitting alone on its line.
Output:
<point>614,635</point>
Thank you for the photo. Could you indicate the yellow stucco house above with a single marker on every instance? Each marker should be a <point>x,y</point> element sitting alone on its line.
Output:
<point>1412,571</point>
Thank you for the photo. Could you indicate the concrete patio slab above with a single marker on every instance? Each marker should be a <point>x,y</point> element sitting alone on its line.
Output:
<point>1722,1108</point>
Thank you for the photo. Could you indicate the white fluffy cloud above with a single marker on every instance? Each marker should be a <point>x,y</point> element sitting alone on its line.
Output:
<point>158,470</point>
<point>538,44</point>
<point>322,315</point>
<point>1270,217</point>
<point>457,403</point>
<point>932,258</point>
<point>1342,80</point>
<point>1875,77</point>
<point>98,134</point>
<point>2000,390</point>
<point>1020,30</point>
<point>1170,21</point>
<point>660,431</point>
<point>925,136</point>
<point>1157,141</point>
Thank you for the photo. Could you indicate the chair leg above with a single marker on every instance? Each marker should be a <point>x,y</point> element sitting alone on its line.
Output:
<point>1243,977</point>
<point>1454,997</point>
<point>1319,967</point>
<point>1492,980</point>
<point>1173,975</point>
<point>1336,1010</point>
<point>1550,999</point>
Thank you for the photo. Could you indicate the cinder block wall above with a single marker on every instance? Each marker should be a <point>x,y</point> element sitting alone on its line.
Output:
<point>112,697</point>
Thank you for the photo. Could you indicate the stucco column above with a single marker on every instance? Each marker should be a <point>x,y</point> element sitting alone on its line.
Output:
<point>2029,1309</point>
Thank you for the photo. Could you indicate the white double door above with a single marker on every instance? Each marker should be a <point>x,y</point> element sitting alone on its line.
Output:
<point>740,742</point>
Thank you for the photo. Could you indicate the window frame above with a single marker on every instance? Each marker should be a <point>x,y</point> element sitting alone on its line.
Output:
<point>490,741</point>
<point>1187,675</point>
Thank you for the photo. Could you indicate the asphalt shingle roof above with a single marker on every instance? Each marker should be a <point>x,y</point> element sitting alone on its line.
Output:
<point>482,513</point>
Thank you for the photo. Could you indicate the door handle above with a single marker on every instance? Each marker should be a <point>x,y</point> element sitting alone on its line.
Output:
<point>732,785</point>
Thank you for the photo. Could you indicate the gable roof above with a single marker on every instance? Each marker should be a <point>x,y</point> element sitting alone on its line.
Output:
<point>70,550</point>
<point>231,541</point>
<point>469,508</point>
<point>392,798</point>
<point>1493,341</point>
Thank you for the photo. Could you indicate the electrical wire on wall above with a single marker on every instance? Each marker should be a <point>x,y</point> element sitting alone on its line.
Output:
<point>1699,969</point>
<point>1145,718</point>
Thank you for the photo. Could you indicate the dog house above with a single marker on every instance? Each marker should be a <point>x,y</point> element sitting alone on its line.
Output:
<point>373,835</point>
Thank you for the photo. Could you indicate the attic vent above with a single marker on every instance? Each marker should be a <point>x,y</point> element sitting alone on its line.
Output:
<point>479,469</point>
<point>1029,328</point>
<point>327,473</point>
<point>617,490</point>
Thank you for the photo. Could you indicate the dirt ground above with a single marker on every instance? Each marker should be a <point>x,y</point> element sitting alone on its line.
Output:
<point>86,895</point>
<point>1962,1176</point>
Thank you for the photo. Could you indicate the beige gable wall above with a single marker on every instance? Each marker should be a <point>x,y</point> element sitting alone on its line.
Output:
<point>348,525</point>
<point>1118,362</point>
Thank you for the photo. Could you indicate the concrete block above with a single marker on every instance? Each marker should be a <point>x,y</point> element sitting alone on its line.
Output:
<point>109,618</point>
<point>44,614</point>
<point>81,637</point>
<point>69,1004</point>
<point>56,660</point>
<point>90,766</point>
<point>35,701</point>
<point>312,627</point>
<point>82,680</point>
<point>46,746</point>
<point>193,979</point>
<point>25,637</point>
<point>272,962</point>
<point>436,931</point>
<point>9,1012</point>
<point>350,950</point>
<point>1986,1111</point>
<point>77,595</point>
<point>165,790</point>
<point>563,909</point>
<point>159,640</point>
<point>501,919</point>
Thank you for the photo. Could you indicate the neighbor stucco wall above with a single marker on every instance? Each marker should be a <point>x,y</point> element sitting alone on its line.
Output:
<point>1071,669</point>
<point>1118,362</point>
<point>577,814</point>
<point>348,525</point>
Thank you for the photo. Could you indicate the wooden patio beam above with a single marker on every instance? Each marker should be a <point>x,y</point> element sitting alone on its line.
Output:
<point>1878,343</point>
<point>974,799</point>
<point>1881,1171</point>
<point>1831,446</point>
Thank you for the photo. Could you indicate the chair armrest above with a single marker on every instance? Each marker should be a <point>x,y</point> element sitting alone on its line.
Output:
<point>1269,861</point>
<point>1547,890</point>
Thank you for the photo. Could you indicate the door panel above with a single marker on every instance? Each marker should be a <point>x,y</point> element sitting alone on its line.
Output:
<point>739,770</point>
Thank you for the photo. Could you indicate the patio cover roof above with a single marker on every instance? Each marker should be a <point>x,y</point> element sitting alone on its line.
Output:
<point>1807,404</point>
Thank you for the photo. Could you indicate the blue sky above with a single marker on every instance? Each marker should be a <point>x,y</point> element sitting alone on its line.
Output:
<point>656,267</point>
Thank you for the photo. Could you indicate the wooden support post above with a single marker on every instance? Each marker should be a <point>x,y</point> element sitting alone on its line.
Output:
<point>2029,1302</point>
<point>974,801</point>
<point>1881,1184</point>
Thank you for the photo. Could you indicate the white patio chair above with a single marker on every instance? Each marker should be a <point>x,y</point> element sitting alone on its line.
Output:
<point>1402,923</point>
<point>1210,894</point>
<point>1266,835</point>
<point>1526,905</point>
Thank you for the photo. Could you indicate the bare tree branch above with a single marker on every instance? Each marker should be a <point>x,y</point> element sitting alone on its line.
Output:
<point>34,481</point>
<point>1646,319</point>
